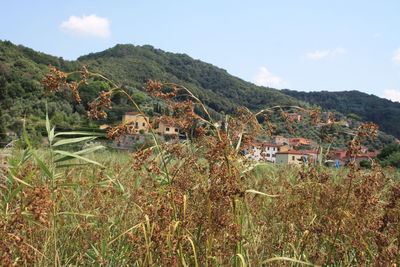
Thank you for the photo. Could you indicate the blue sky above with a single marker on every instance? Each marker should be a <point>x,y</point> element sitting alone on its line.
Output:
<point>308,45</point>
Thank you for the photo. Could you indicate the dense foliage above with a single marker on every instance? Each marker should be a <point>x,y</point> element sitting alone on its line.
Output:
<point>133,65</point>
<point>22,95</point>
<point>356,104</point>
<point>390,156</point>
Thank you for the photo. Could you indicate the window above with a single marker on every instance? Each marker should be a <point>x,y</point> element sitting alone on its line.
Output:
<point>268,155</point>
<point>143,124</point>
<point>273,155</point>
<point>167,129</point>
<point>136,125</point>
<point>293,157</point>
<point>176,129</point>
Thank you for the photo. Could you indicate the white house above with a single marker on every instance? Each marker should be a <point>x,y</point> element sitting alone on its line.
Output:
<point>264,151</point>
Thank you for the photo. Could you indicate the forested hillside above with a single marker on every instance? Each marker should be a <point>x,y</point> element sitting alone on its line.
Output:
<point>381,111</point>
<point>134,65</point>
<point>22,95</point>
<point>21,70</point>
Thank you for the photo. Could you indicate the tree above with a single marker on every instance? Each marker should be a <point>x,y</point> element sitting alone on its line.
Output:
<point>3,132</point>
<point>390,156</point>
<point>388,150</point>
<point>393,160</point>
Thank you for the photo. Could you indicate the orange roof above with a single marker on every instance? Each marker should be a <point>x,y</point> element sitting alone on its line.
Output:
<point>295,152</point>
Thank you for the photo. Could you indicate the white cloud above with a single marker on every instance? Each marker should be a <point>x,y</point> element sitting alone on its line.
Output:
<point>396,56</point>
<point>392,94</point>
<point>265,78</point>
<point>92,25</point>
<point>320,54</point>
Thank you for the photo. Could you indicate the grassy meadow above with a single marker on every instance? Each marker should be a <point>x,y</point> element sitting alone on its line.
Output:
<point>124,213</point>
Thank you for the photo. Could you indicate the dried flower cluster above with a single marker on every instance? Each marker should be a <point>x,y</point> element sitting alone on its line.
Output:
<point>57,80</point>
<point>369,130</point>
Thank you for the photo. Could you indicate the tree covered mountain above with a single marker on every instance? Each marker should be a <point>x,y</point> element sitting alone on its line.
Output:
<point>21,70</point>
<point>381,111</point>
<point>134,65</point>
<point>22,95</point>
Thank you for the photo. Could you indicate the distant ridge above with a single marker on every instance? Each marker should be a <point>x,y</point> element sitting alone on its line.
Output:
<point>381,111</point>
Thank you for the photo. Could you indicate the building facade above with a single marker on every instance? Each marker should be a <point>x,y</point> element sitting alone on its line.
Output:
<point>264,151</point>
<point>291,157</point>
<point>138,123</point>
<point>167,128</point>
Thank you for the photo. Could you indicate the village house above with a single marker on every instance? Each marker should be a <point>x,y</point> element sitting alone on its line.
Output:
<point>299,141</point>
<point>341,157</point>
<point>313,155</point>
<point>338,154</point>
<point>166,128</point>
<point>138,121</point>
<point>264,151</point>
<point>292,157</point>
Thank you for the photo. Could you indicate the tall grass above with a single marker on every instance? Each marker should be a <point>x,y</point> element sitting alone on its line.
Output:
<point>196,203</point>
<point>115,218</point>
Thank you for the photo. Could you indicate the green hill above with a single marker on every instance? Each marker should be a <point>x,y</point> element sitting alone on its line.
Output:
<point>381,111</point>
<point>133,65</point>
<point>22,95</point>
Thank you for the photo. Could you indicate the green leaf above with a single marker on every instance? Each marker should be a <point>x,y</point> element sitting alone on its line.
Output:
<point>51,135</point>
<point>79,133</point>
<point>19,180</point>
<point>47,123</point>
<point>15,192</point>
<point>81,152</point>
<point>37,159</point>
<point>74,140</point>
<point>42,166</point>
<point>74,155</point>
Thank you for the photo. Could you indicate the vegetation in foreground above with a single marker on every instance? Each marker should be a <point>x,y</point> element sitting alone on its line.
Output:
<point>197,203</point>
<point>127,214</point>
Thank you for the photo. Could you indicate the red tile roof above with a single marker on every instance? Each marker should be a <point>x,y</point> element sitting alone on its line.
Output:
<point>295,152</point>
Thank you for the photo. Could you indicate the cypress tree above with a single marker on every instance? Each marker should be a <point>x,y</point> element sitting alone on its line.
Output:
<point>3,136</point>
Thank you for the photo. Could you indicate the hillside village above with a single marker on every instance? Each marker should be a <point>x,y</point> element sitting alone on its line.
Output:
<point>277,149</point>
